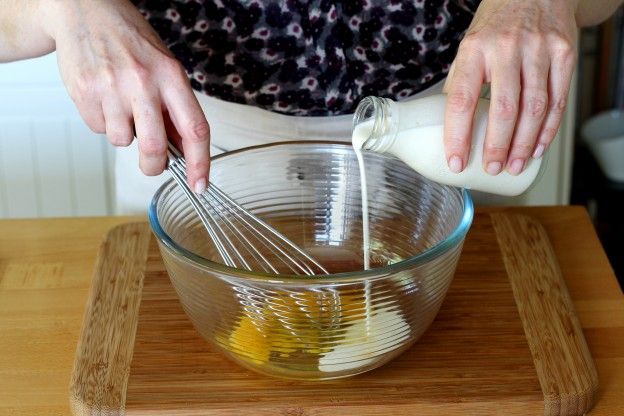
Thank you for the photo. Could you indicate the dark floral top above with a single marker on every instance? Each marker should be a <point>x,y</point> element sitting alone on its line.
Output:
<point>315,57</point>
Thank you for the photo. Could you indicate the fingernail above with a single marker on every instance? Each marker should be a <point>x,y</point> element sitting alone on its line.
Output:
<point>455,164</point>
<point>516,166</point>
<point>539,151</point>
<point>200,186</point>
<point>494,168</point>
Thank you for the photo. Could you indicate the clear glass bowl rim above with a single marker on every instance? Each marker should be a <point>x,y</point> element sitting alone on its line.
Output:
<point>436,250</point>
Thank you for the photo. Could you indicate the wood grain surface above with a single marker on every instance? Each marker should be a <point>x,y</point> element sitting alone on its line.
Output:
<point>46,267</point>
<point>105,348</point>
<point>475,358</point>
<point>563,362</point>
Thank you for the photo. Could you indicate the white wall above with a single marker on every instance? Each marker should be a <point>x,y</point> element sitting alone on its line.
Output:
<point>51,164</point>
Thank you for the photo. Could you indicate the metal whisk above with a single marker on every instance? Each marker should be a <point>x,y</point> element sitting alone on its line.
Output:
<point>241,238</point>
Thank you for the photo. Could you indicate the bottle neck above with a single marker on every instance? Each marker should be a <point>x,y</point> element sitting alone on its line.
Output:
<point>376,119</point>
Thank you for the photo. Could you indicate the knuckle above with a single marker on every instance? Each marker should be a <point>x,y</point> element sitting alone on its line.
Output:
<point>107,78</point>
<point>199,131</point>
<point>82,86</point>
<point>559,105</point>
<point>173,66</point>
<point>507,40</point>
<point>495,155</point>
<point>505,108</point>
<point>153,148</point>
<point>548,135</point>
<point>536,103</point>
<point>496,152</point>
<point>140,75</point>
<point>496,148</point>
<point>564,50</point>
<point>533,38</point>
<point>470,42</point>
<point>198,165</point>
<point>119,138</point>
<point>562,44</point>
<point>522,149</point>
<point>461,100</point>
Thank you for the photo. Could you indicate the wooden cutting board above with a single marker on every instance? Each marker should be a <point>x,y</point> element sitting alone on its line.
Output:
<point>506,341</point>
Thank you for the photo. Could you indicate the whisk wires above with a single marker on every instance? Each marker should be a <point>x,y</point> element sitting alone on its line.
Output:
<point>241,238</point>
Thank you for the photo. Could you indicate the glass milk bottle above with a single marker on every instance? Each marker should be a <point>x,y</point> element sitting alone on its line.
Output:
<point>413,131</point>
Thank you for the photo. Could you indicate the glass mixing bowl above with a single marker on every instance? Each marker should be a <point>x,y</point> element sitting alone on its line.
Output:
<point>327,326</point>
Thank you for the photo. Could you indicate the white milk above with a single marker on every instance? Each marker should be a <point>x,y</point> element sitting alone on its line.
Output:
<point>357,147</point>
<point>414,133</point>
<point>364,193</point>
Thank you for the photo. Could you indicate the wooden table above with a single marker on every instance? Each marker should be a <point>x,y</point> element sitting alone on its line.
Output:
<point>46,267</point>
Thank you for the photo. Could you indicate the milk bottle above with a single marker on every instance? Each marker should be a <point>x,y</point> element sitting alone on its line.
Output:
<point>413,131</point>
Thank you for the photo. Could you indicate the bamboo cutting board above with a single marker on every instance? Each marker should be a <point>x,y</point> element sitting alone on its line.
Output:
<point>506,341</point>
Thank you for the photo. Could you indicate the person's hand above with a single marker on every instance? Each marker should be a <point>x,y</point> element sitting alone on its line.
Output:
<point>526,50</point>
<point>125,82</point>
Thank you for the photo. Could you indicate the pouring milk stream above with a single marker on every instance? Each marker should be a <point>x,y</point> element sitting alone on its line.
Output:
<point>413,131</point>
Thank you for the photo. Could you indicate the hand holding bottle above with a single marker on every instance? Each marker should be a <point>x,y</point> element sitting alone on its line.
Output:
<point>526,50</point>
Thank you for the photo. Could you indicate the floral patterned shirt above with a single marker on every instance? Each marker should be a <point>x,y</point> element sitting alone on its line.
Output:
<point>311,57</point>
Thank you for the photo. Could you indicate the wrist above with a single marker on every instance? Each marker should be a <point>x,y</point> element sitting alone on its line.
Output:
<point>56,15</point>
<point>48,13</point>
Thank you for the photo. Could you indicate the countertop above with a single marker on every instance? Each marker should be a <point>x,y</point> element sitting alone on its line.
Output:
<point>46,267</point>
